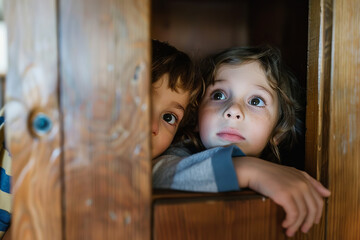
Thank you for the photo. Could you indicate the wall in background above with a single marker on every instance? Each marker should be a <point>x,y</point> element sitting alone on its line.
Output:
<point>3,43</point>
<point>3,49</point>
<point>1,10</point>
<point>201,27</point>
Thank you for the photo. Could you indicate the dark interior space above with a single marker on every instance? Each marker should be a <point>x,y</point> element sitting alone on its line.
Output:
<point>201,27</point>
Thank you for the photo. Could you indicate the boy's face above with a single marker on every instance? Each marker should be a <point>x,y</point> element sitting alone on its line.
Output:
<point>168,109</point>
<point>240,108</point>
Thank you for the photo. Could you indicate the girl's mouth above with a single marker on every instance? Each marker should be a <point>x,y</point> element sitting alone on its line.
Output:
<point>230,135</point>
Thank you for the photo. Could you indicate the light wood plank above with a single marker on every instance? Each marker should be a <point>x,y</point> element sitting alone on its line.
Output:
<point>32,88</point>
<point>105,59</point>
<point>344,137</point>
<point>239,215</point>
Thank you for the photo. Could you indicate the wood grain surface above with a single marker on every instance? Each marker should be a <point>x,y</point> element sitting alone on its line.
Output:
<point>32,88</point>
<point>85,65</point>
<point>344,136</point>
<point>237,215</point>
<point>105,59</point>
<point>318,95</point>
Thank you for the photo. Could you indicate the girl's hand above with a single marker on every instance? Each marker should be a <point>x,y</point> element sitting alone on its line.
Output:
<point>299,194</point>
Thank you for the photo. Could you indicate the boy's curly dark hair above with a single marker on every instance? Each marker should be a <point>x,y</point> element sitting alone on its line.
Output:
<point>183,74</point>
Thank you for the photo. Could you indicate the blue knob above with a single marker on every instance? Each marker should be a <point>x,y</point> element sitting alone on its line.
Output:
<point>41,124</point>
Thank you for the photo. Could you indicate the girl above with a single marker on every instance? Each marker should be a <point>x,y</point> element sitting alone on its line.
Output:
<point>249,109</point>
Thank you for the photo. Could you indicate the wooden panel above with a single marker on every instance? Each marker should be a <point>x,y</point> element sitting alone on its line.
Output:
<point>192,27</point>
<point>344,137</point>
<point>217,216</point>
<point>31,90</point>
<point>318,95</point>
<point>104,48</point>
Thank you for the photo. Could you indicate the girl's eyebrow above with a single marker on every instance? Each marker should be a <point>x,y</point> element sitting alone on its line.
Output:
<point>266,90</point>
<point>218,80</point>
<point>259,86</point>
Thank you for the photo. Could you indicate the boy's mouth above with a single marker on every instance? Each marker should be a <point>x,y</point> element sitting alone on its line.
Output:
<point>230,135</point>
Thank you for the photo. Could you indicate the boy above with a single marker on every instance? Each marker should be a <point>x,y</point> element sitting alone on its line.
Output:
<point>174,91</point>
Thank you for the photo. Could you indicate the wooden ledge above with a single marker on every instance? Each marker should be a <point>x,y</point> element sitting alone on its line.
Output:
<point>243,215</point>
<point>164,195</point>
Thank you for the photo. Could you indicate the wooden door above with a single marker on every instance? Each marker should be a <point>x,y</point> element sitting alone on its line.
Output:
<point>77,118</point>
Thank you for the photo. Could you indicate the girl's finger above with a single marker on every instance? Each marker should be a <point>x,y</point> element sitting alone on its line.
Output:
<point>312,209</point>
<point>318,195</point>
<point>319,203</point>
<point>290,207</point>
<point>301,204</point>
<point>324,192</point>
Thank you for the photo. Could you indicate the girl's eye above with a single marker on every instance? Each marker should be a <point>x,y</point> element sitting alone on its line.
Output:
<point>256,101</point>
<point>218,95</point>
<point>169,118</point>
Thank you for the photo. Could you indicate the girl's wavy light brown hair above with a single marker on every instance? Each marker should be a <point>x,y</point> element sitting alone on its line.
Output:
<point>183,74</point>
<point>289,126</point>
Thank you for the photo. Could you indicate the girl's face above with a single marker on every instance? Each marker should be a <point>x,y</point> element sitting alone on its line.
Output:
<point>168,109</point>
<point>240,108</point>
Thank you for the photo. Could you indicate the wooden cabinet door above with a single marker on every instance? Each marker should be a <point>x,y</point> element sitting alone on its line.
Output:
<point>78,113</point>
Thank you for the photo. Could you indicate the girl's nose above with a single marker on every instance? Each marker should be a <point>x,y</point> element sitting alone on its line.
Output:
<point>233,112</point>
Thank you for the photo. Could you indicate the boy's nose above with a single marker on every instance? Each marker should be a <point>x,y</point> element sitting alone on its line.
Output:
<point>155,127</point>
<point>233,112</point>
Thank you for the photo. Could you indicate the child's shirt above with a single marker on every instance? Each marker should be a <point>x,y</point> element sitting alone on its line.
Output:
<point>212,170</point>
<point>5,179</point>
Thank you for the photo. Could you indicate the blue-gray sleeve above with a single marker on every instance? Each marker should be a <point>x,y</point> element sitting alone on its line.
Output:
<point>211,170</point>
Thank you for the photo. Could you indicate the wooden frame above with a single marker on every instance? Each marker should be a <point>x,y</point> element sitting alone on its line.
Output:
<point>83,69</point>
<point>333,134</point>
<point>318,95</point>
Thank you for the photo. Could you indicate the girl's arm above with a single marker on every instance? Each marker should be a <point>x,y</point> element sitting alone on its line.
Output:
<point>209,171</point>
<point>300,195</point>
<point>219,169</point>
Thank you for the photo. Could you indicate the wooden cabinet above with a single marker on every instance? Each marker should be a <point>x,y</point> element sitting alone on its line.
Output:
<point>82,67</point>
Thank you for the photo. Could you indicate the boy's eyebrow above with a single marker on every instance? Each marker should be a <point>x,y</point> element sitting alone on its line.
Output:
<point>178,106</point>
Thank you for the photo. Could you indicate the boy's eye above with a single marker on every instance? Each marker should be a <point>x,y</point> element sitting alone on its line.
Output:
<point>218,95</point>
<point>256,101</point>
<point>169,118</point>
